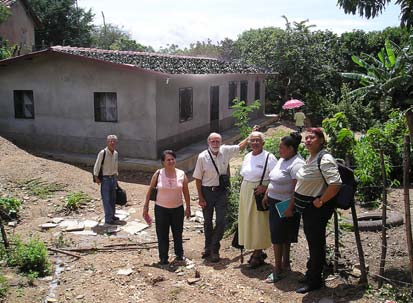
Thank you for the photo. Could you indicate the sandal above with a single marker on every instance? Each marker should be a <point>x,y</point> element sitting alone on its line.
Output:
<point>273,278</point>
<point>256,262</point>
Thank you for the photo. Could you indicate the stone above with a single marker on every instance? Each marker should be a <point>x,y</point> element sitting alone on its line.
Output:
<point>134,227</point>
<point>51,300</point>
<point>12,224</point>
<point>57,220</point>
<point>125,271</point>
<point>47,225</point>
<point>78,227</point>
<point>192,280</point>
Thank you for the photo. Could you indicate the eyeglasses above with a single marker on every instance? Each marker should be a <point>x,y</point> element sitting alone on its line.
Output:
<point>255,141</point>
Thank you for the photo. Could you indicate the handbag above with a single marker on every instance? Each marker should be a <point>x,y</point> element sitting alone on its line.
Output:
<point>235,244</point>
<point>260,197</point>
<point>100,174</point>
<point>154,190</point>
<point>121,198</point>
<point>224,180</point>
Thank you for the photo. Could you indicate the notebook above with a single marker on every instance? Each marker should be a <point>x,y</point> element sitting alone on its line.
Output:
<point>281,207</point>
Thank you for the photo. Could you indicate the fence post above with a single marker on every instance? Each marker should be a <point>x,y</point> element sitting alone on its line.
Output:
<point>383,220</point>
<point>407,216</point>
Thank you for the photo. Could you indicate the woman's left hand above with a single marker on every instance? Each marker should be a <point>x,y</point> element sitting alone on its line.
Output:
<point>260,189</point>
<point>188,212</point>
<point>318,202</point>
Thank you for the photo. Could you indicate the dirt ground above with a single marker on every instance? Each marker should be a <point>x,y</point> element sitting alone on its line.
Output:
<point>95,277</point>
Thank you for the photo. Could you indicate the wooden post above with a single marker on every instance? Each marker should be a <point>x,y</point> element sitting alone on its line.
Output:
<point>336,242</point>
<point>4,235</point>
<point>383,220</point>
<point>407,216</point>
<point>363,277</point>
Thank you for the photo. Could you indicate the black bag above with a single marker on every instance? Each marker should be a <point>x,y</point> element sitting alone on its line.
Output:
<point>235,244</point>
<point>260,197</point>
<point>100,174</point>
<point>121,198</point>
<point>345,197</point>
<point>154,190</point>
<point>224,180</point>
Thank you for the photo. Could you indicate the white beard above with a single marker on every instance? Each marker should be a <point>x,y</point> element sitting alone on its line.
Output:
<point>214,150</point>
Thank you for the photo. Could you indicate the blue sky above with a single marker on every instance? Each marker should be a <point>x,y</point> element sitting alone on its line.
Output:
<point>161,22</point>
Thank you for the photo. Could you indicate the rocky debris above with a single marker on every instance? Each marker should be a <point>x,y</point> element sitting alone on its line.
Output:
<point>192,280</point>
<point>48,225</point>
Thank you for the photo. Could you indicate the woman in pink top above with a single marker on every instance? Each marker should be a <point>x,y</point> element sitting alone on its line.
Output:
<point>169,209</point>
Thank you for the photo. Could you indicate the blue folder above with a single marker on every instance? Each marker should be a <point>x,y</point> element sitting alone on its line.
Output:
<point>281,207</point>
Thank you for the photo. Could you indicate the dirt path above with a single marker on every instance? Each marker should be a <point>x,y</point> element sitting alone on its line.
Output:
<point>95,277</point>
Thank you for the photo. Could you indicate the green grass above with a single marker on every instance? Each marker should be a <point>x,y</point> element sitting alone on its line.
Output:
<point>4,287</point>
<point>42,189</point>
<point>74,200</point>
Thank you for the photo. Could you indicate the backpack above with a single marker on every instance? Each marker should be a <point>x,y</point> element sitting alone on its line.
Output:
<point>345,197</point>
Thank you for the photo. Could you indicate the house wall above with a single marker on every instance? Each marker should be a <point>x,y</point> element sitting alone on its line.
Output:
<point>63,89</point>
<point>19,28</point>
<point>173,134</point>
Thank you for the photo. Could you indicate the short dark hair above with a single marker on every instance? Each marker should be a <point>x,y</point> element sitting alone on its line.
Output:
<point>318,132</point>
<point>293,139</point>
<point>167,152</point>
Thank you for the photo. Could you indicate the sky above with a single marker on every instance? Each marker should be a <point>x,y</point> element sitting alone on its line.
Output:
<point>161,22</point>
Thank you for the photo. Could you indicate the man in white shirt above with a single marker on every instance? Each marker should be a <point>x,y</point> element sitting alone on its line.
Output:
<point>107,161</point>
<point>211,195</point>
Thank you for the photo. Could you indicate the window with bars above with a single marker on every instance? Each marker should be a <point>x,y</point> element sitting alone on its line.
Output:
<point>23,104</point>
<point>257,95</point>
<point>244,91</point>
<point>185,104</point>
<point>106,109</point>
<point>232,92</point>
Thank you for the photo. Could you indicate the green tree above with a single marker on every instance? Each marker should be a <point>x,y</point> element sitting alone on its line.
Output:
<point>6,51</point>
<point>64,23</point>
<point>112,36</point>
<point>4,13</point>
<point>373,8</point>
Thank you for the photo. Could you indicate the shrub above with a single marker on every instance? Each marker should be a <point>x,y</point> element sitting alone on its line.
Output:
<point>75,200</point>
<point>30,258</point>
<point>4,286</point>
<point>40,188</point>
<point>9,208</point>
<point>233,202</point>
<point>241,113</point>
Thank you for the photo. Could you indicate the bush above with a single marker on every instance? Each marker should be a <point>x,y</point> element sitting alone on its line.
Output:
<point>233,202</point>
<point>9,208</point>
<point>30,258</point>
<point>4,287</point>
<point>75,200</point>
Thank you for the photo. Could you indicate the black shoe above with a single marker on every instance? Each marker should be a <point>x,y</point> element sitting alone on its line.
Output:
<point>205,254</point>
<point>307,288</point>
<point>215,258</point>
<point>303,280</point>
<point>163,262</point>
<point>114,218</point>
<point>180,258</point>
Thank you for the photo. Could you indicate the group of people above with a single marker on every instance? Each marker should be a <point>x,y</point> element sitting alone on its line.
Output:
<point>306,187</point>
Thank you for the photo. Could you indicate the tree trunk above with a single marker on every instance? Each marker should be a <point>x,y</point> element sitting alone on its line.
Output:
<point>383,219</point>
<point>409,118</point>
<point>407,218</point>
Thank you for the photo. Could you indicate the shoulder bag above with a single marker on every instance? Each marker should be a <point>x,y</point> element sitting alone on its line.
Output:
<point>100,174</point>
<point>224,181</point>
<point>154,190</point>
<point>260,197</point>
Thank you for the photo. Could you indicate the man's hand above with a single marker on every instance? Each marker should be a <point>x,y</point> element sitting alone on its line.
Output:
<point>97,180</point>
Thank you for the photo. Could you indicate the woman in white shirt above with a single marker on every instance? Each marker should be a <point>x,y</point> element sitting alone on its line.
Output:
<point>316,187</point>
<point>253,225</point>
<point>284,229</point>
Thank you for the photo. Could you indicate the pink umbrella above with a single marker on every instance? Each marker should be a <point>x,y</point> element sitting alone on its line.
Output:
<point>293,103</point>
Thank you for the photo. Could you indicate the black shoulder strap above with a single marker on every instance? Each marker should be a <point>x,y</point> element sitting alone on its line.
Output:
<point>265,168</point>
<point>319,164</point>
<point>103,160</point>
<point>157,177</point>
<point>213,162</point>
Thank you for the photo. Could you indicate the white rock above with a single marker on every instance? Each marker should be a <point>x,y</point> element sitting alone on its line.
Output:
<point>125,271</point>
<point>47,225</point>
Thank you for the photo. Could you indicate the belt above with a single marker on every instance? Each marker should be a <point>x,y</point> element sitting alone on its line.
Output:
<point>213,188</point>
<point>109,176</point>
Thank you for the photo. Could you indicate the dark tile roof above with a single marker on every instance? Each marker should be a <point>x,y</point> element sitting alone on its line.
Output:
<point>169,64</point>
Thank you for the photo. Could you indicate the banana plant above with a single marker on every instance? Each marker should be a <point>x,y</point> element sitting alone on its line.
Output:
<point>388,79</point>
